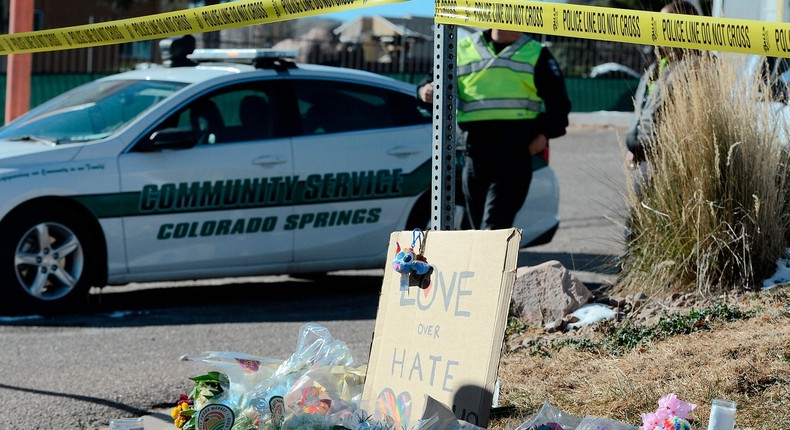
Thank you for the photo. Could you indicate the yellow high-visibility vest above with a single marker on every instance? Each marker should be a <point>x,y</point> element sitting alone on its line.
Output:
<point>497,87</point>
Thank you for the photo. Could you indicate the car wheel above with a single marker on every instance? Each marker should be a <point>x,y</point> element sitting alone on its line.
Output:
<point>46,262</point>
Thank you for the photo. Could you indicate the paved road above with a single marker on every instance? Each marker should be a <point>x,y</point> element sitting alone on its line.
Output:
<point>78,372</point>
<point>588,163</point>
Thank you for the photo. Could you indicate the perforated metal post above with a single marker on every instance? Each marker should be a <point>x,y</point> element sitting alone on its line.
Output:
<point>444,138</point>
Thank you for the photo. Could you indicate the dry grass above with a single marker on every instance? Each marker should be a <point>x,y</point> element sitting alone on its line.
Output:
<point>713,215</point>
<point>747,361</point>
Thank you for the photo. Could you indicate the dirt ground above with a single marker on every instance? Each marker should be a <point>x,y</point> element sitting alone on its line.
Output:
<point>745,359</point>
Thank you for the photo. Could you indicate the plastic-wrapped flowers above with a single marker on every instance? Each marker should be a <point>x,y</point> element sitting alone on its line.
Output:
<point>319,383</point>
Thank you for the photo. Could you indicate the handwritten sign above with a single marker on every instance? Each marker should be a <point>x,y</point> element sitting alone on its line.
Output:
<point>443,341</point>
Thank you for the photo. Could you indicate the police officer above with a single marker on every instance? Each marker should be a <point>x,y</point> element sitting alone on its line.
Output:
<point>512,100</point>
<point>656,82</point>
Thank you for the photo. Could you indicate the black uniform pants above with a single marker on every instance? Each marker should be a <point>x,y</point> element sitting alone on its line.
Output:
<point>496,177</point>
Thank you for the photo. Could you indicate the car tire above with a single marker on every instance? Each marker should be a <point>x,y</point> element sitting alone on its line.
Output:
<point>47,262</point>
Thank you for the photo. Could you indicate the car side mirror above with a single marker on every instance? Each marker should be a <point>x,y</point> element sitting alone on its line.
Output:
<point>168,139</point>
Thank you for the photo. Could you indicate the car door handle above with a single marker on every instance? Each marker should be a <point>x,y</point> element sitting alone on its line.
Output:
<point>268,160</point>
<point>403,151</point>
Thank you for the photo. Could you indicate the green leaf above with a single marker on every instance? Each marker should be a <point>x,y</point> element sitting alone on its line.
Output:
<point>208,377</point>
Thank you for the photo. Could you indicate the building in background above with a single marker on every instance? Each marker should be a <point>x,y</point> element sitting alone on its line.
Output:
<point>50,14</point>
<point>404,43</point>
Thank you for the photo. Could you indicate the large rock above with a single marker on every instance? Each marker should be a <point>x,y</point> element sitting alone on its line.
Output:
<point>546,293</point>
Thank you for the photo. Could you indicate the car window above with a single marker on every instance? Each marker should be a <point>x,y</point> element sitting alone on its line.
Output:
<point>332,106</point>
<point>92,111</point>
<point>236,114</point>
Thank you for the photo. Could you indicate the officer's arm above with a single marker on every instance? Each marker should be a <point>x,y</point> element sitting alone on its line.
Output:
<point>551,88</point>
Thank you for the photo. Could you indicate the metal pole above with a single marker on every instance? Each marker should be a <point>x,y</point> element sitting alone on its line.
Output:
<point>444,123</point>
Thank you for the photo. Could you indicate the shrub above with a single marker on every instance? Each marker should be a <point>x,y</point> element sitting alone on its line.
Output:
<point>711,214</point>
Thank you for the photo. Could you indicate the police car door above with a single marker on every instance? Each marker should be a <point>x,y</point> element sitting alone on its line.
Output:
<point>364,156</point>
<point>217,207</point>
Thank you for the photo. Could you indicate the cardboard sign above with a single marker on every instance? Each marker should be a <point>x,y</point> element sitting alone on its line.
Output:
<point>443,341</point>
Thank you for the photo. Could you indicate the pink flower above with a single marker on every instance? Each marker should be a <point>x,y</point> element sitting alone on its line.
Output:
<point>182,398</point>
<point>670,406</point>
<point>650,421</point>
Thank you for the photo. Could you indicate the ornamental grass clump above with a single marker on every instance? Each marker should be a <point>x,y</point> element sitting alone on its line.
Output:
<point>712,214</point>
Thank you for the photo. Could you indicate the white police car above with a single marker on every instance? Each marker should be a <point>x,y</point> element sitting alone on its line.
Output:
<point>215,170</point>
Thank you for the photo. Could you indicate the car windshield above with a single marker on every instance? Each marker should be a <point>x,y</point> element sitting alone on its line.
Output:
<point>90,112</point>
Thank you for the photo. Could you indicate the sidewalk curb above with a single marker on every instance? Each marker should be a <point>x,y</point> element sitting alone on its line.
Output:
<point>601,119</point>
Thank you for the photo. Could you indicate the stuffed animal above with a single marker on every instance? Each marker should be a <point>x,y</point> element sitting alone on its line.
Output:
<point>407,262</point>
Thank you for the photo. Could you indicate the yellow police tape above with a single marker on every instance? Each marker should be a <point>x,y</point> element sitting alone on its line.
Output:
<point>620,25</point>
<point>196,20</point>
